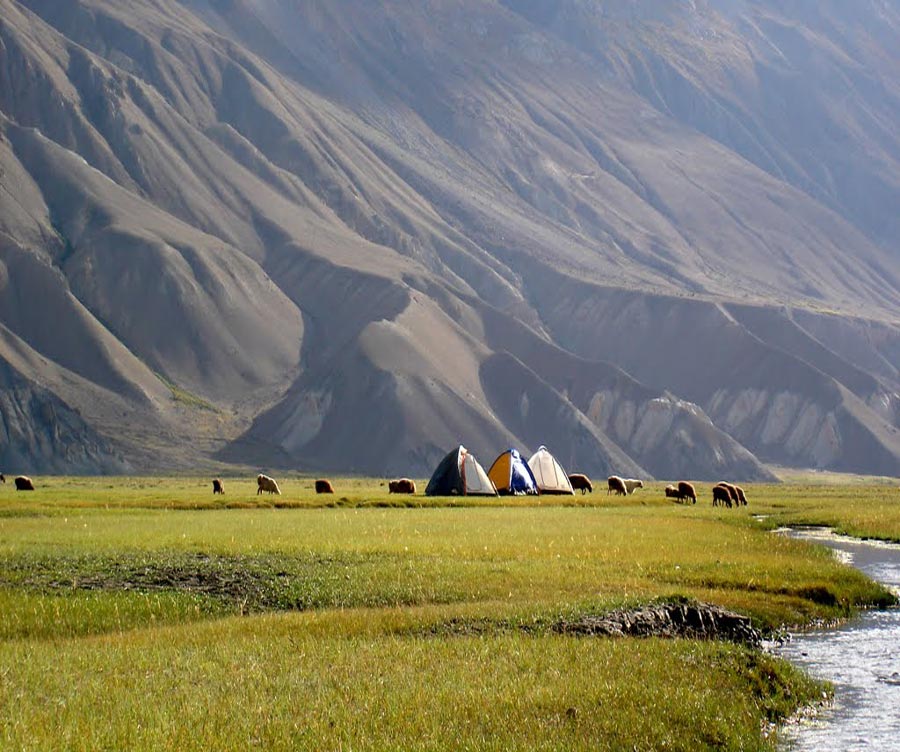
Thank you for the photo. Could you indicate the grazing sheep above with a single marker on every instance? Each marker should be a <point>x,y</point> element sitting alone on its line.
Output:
<point>24,483</point>
<point>581,483</point>
<point>740,493</point>
<point>721,493</point>
<point>632,483</point>
<point>686,491</point>
<point>324,486</point>
<point>732,491</point>
<point>265,483</point>
<point>615,483</point>
<point>218,487</point>
<point>402,486</point>
<point>2,478</point>
<point>672,493</point>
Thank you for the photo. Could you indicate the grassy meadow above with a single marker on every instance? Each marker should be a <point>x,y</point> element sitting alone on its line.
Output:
<point>144,613</point>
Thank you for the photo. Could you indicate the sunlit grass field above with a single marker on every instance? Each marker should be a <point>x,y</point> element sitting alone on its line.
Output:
<point>144,613</point>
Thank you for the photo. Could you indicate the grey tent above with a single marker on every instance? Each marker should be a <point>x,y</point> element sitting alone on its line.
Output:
<point>459,474</point>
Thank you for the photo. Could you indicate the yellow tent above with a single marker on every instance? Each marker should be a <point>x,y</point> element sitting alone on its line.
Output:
<point>511,475</point>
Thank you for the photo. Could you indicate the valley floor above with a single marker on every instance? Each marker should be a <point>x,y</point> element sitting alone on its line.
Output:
<point>144,613</point>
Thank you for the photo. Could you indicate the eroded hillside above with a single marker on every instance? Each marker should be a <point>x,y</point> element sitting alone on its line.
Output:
<point>659,238</point>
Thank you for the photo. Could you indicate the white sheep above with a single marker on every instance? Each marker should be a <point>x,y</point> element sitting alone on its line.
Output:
<point>633,483</point>
<point>265,483</point>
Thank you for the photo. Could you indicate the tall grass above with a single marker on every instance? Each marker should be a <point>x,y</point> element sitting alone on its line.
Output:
<point>299,682</point>
<point>142,613</point>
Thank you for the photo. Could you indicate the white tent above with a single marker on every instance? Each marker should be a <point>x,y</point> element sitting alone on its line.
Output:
<point>549,474</point>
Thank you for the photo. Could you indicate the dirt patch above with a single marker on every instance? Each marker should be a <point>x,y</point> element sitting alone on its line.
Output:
<point>251,583</point>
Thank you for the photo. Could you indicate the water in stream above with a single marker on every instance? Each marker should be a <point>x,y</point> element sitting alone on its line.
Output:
<point>861,659</point>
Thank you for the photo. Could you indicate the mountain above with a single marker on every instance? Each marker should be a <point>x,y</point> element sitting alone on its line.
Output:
<point>660,237</point>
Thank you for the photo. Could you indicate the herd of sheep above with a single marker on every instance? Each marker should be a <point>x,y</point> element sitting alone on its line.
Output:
<point>726,494</point>
<point>622,486</point>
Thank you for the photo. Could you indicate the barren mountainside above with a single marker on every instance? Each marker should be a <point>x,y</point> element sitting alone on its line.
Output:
<point>661,238</point>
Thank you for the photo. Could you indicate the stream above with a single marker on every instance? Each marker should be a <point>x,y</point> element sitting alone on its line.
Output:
<point>861,658</point>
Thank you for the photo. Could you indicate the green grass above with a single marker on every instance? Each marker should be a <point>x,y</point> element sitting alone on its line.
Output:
<point>140,613</point>
<point>186,398</point>
<point>871,511</point>
<point>315,682</point>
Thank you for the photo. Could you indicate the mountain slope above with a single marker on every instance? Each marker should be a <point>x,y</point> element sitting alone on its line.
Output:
<point>350,236</point>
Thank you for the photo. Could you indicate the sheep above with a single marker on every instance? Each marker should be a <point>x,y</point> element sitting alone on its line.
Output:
<point>324,486</point>
<point>24,483</point>
<point>265,483</point>
<point>732,492</point>
<point>2,478</point>
<point>402,486</point>
<point>632,483</point>
<point>740,493</point>
<point>721,493</point>
<point>615,483</point>
<point>672,493</point>
<point>686,491</point>
<point>581,482</point>
<point>218,487</point>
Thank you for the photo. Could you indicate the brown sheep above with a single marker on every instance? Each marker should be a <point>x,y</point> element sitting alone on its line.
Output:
<point>581,482</point>
<point>721,493</point>
<point>631,484</point>
<point>265,483</point>
<point>740,493</point>
<point>24,483</point>
<point>402,486</point>
<point>615,483</point>
<point>218,487</point>
<point>732,491</point>
<point>324,486</point>
<point>2,478</point>
<point>686,491</point>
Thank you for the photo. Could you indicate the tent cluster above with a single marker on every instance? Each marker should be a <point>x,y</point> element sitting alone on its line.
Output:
<point>460,474</point>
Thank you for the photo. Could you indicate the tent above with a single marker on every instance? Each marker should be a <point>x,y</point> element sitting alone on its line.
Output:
<point>511,475</point>
<point>550,477</point>
<point>460,474</point>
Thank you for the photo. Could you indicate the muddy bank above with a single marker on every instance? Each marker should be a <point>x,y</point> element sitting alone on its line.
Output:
<point>684,619</point>
<point>696,621</point>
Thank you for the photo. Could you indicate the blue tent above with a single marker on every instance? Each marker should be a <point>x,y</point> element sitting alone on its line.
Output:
<point>511,474</point>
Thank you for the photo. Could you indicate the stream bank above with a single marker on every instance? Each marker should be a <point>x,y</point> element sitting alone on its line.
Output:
<point>860,658</point>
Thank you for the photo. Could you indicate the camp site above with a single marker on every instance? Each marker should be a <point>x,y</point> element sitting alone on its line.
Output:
<point>469,375</point>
